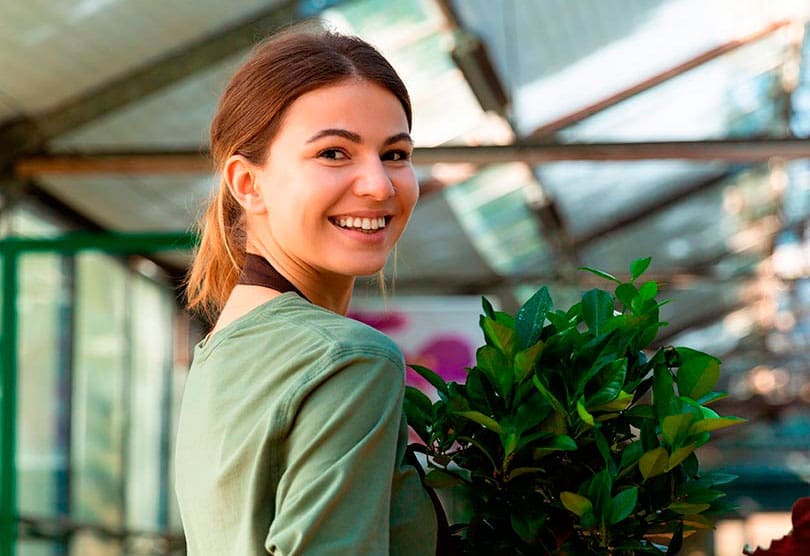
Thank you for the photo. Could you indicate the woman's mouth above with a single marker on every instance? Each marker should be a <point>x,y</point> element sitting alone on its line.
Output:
<point>361,224</point>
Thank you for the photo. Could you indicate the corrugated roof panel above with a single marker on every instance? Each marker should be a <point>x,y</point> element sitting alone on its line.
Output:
<point>44,64</point>
<point>557,56</point>
<point>178,116</point>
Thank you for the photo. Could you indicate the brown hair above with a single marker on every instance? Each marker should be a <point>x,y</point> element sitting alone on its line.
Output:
<point>280,69</point>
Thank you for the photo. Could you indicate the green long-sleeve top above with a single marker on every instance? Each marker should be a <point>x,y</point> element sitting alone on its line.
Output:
<point>291,441</point>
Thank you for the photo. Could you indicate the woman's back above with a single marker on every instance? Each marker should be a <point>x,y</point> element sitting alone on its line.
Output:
<point>291,440</point>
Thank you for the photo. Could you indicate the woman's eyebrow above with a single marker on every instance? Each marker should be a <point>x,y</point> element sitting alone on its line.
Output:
<point>346,134</point>
<point>397,138</point>
<point>355,138</point>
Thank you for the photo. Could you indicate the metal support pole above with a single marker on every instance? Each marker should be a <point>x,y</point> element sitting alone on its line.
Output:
<point>8,403</point>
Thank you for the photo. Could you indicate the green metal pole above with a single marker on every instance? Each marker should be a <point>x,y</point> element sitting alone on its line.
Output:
<point>8,404</point>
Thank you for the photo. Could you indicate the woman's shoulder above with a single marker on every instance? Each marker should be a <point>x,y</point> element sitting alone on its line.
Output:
<point>290,322</point>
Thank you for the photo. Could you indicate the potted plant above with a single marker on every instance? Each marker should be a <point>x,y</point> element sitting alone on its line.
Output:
<point>570,435</point>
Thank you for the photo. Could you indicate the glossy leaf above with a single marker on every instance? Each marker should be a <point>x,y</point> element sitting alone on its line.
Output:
<point>597,308</point>
<point>488,310</point>
<point>481,419</point>
<point>496,367</point>
<point>675,428</point>
<point>638,267</point>
<point>663,393</point>
<point>551,398</point>
<point>613,382</point>
<point>653,462</point>
<point>561,443</point>
<point>525,361</point>
<point>530,317</point>
<point>698,373</point>
<point>583,413</point>
<point>707,425</point>
<point>626,293</point>
<point>600,273</point>
<point>623,505</point>
<point>499,335</point>
<point>648,291</point>
<point>679,456</point>
<point>435,380</point>
<point>575,503</point>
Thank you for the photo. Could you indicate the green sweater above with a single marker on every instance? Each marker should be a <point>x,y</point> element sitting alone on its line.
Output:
<point>291,441</point>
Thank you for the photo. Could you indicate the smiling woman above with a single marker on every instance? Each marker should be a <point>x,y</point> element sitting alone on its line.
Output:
<point>291,437</point>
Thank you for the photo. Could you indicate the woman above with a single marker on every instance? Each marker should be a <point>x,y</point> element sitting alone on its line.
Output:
<point>291,437</point>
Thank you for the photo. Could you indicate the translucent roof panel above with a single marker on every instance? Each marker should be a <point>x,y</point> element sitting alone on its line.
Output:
<point>493,210</point>
<point>557,56</point>
<point>736,216</point>
<point>411,34</point>
<point>44,64</point>
<point>731,96</point>
<point>178,116</point>
<point>592,195</point>
<point>167,203</point>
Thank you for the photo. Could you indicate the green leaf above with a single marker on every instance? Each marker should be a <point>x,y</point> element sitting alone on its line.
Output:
<point>614,376</point>
<point>700,495</point>
<point>712,397</point>
<point>555,403</point>
<point>418,409</point>
<point>653,463</point>
<point>583,413</point>
<point>600,273</point>
<point>526,526</point>
<point>481,419</point>
<point>488,310</point>
<point>626,293</point>
<point>559,320</point>
<point>649,290</point>
<point>707,425</point>
<point>530,317</point>
<point>437,478</point>
<point>525,361</point>
<point>598,492</point>
<point>479,390</point>
<point>675,428</point>
<point>435,380</point>
<point>575,503</point>
<point>623,505</point>
<point>663,392</point>
<point>496,368</point>
<point>621,402</point>
<point>499,335</point>
<point>597,308</point>
<point>631,454</point>
<point>638,267</point>
<point>685,508</point>
<point>679,455</point>
<point>716,478</point>
<point>561,443</point>
<point>698,373</point>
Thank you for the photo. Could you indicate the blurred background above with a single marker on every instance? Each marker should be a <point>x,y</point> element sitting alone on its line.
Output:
<point>551,134</point>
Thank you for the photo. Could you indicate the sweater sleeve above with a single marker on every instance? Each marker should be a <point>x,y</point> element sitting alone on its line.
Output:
<point>334,495</point>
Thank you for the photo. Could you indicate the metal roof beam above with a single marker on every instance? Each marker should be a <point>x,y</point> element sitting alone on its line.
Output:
<point>31,134</point>
<point>535,152</point>
<point>575,117</point>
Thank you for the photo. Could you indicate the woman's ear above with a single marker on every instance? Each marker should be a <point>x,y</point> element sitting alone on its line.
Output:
<point>240,175</point>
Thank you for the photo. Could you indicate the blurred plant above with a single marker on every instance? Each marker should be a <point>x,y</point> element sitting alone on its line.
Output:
<point>566,438</point>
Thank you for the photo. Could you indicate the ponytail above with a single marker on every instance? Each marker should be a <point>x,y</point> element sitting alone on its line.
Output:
<point>220,256</point>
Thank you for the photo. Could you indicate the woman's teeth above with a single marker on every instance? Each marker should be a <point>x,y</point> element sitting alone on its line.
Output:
<point>357,223</point>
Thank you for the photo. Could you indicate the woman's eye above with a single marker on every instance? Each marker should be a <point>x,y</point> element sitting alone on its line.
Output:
<point>397,156</point>
<point>332,154</point>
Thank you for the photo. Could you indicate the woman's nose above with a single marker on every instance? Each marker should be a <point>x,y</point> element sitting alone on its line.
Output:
<point>374,181</point>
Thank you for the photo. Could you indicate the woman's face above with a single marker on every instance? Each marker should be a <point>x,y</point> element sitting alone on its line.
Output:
<point>337,184</point>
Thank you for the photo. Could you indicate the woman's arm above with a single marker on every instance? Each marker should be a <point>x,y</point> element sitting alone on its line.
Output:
<point>334,496</point>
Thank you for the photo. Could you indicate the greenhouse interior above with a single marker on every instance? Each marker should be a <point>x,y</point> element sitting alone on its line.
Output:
<point>550,135</point>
